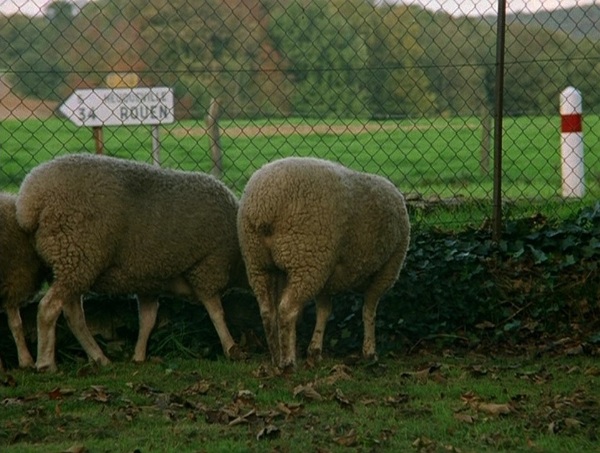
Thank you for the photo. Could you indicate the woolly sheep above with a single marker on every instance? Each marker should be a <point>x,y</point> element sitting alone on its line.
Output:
<point>111,225</point>
<point>22,274</point>
<point>310,228</point>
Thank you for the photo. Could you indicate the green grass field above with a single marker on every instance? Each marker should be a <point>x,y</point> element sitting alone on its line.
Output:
<point>422,403</point>
<point>436,161</point>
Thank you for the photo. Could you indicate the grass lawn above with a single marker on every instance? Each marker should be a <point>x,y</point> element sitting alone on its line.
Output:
<point>431,159</point>
<point>430,403</point>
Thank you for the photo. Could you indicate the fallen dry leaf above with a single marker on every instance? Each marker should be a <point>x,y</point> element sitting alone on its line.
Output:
<point>216,416</point>
<point>337,373</point>
<point>493,408</point>
<point>268,432</point>
<point>485,325</point>
<point>575,350</point>
<point>58,393</point>
<point>395,401</point>
<point>424,374</point>
<point>573,423</point>
<point>244,397</point>
<point>199,388</point>
<point>466,418</point>
<point>243,418</point>
<point>469,398</point>
<point>12,401</point>
<point>344,402</point>
<point>97,393</point>
<point>307,392</point>
<point>422,443</point>
<point>592,371</point>
<point>350,439</point>
<point>290,410</point>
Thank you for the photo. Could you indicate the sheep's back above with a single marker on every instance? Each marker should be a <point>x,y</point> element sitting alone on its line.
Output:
<point>378,229</point>
<point>185,220</point>
<point>134,222</point>
<point>294,198</point>
<point>315,216</point>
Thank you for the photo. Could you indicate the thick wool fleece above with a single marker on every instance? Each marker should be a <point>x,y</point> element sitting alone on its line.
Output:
<point>116,226</point>
<point>319,228</point>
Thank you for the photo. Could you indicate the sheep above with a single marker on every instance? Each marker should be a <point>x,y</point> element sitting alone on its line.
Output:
<point>115,226</point>
<point>22,274</point>
<point>310,228</point>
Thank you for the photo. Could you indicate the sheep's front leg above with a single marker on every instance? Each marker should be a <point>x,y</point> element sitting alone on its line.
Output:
<point>217,316</point>
<point>147,312</point>
<point>73,312</point>
<point>369,342</point>
<point>315,348</point>
<point>49,310</point>
<point>15,324</point>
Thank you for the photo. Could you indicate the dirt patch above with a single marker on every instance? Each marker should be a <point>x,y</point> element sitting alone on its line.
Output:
<point>12,107</point>
<point>270,130</point>
<point>283,129</point>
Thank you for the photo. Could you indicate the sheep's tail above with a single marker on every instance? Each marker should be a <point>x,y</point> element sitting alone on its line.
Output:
<point>29,209</point>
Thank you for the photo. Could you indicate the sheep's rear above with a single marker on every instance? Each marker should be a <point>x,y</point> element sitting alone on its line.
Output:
<point>310,228</point>
<point>22,274</point>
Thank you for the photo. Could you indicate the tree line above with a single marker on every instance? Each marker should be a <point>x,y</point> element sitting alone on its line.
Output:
<point>320,58</point>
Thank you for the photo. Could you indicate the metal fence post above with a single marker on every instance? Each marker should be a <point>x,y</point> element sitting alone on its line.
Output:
<point>499,109</point>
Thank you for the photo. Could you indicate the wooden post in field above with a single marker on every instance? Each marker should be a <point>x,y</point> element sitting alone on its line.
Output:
<point>212,127</point>
<point>97,131</point>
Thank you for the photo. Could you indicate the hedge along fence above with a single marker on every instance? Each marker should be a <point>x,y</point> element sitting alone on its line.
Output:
<point>422,82</point>
<point>535,290</point>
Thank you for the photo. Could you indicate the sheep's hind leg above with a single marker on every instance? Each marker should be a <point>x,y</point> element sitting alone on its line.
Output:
<point>49,310</point>
<point>147,311</point>
<point>73,312</point>
<point>15,324</point>
<point>288,311</point>
<point>381,283</point>
<point>266,287</point>
<point>315,348</point>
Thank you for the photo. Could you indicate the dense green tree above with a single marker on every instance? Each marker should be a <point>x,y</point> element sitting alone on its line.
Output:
<point>326,58</point>
<point>397,83</point>
<point>36,52</point>
<point>459,61</point>
<point>582,71</point>
<point>535,69</point>
<point>306,57</point>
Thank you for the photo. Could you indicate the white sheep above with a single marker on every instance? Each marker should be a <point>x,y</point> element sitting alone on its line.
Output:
<point>22,274</point>
<point>115,226</point>
<point>310,228</point>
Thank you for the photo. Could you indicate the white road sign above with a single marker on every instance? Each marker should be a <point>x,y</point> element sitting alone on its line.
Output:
<point>120,106</point>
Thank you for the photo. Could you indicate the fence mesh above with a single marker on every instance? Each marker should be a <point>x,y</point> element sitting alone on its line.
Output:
<point>403,90</point>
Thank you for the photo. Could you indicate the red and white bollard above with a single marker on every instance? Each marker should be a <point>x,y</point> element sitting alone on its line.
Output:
<point>572,169</point>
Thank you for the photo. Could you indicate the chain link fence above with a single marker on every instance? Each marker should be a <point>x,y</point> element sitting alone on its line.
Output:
<point>408,91</point>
